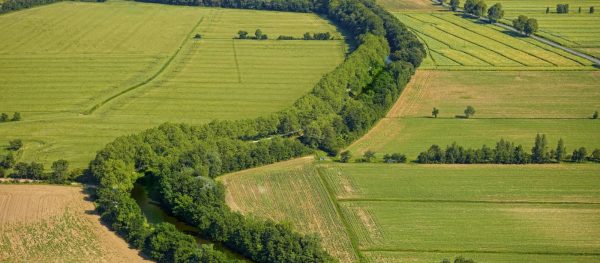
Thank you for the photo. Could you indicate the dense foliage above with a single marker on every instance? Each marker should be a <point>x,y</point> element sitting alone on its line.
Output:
<point>505,152</point>
<point>182,160</point>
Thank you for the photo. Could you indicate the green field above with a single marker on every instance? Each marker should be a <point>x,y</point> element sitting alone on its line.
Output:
<point>577,30</point>
<point>454,42</point>
<point>513,212</point>
<point>82,74</point>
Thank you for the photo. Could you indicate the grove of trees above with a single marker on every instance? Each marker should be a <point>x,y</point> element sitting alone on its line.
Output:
<point>525,25</point>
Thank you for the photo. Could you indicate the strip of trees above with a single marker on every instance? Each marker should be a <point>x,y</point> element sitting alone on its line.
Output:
<point>525,25</point>
<point>183,160</point>
<point>506,152</point>
<point>258,35</point>
<point>309,36</point>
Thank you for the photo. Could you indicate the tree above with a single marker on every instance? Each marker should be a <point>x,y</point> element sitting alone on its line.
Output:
<point>547,10</point>
<point>36,170</point>
<point>7,161</point>
<point>540,149</point>
<point>469,6</point>
<point>394,158</point>
<point>480,8</point>
<point>454,4</point>
<point>469,111</point>
<point>531,26</point>
<point>345,156</point>
<point>264,37</point>
<point>591,9</point>
<point>60,170</point>
<point>435,112</point>
<point>16,116</point>
<point>495,13</point>
<point>3,117</point>
<point>519,23</point>
<point>198,36</point>
<point>307,36</point>
<point>561,151</point>
<point>461,259</point>
<point>595,115</point>
<point>15,145</point>
<point>258,34</point>
<point>369,156</point>
<point>595,155</point>
<point>579,11</point>
<point>579,155</point>
<point>242,34</point>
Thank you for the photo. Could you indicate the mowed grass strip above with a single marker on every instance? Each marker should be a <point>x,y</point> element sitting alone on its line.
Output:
<point>90,52</point>
<point>557,183</point>
<point>501,94</point>
<point>454,42</point>
<point>475,227</point>
<point>578,30</point>
<point>291,192</point>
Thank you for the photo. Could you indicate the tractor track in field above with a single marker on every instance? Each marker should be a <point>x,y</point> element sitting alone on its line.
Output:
<point>148,80</point>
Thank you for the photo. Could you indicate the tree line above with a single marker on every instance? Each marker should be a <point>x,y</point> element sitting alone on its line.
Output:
<point>258,34</point>
<point>308,36</point>
<point>183,160</point>
<point>506,152</point>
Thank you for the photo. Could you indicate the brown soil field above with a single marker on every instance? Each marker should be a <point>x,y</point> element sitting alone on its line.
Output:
<point>46,223</point>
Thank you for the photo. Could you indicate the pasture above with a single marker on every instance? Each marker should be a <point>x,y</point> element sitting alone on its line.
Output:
<point>577,30</point>
<point>454,42</point>
<point>54,224</point>
<point>291,192</point>
<point>82,74</point>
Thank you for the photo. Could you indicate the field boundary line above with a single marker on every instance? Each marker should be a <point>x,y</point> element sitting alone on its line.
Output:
<point>151,78</point>
<point>338,211</point>
<point>399,200</point>
<point>237,64</point>
<point>484,252</point>
<point>497,41</point>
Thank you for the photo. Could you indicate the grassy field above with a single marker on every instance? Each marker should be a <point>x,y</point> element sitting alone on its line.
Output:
<point>419,213</point>
<point>291,192</point>
<point>53,224</point>
<point>577,30</point>
<point>422,5</point>
<point>454,42</point>
<point>82,74</point>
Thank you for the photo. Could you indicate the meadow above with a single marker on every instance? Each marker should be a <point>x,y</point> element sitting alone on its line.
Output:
<point>577,30</point>
<point>54,224</point>
<point>454,42</point>
<point>92,72</point>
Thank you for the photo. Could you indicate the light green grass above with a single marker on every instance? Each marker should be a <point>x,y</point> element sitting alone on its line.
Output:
<point>455,42</point>
<point>578,30</point>
<point>62,60</point>
<point>393,256</point>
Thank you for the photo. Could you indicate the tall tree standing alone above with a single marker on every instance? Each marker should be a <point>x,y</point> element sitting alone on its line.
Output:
<point>469,111</point>
<point>435,112</point>
<point>495,13</point>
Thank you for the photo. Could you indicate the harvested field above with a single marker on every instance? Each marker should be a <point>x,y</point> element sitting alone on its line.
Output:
<point>55,224</point>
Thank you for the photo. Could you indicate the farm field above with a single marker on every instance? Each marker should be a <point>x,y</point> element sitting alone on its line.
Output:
<point>52,224</point>
<point>577,30</point>
<point>291,192</point>
<point>454,42</point>
<point>423,5</point>
<point>78,89</point>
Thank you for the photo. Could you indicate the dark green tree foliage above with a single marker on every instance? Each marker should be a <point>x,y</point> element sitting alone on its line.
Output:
<point>368,156</point>
<point>531,26</point>
<point>454,4</point>
<point>519,23</point>
<point>32,170</point>
<point>15,145</point>
<point>394,158</point>
<point>7,161</point>
<point>579,155</point>
<point>16,116</point>
<point>435,112</point>
<point>595,155</point>
<point>345,156</point>
<point>591,9</point>
<point>469,111</point>
<point>183,160</point>
<point>562,8</point>
<point>14,5</point>
<point>504,153</point>
<point>539,152</point>
<point>495,13</point>
<point>60,169</point>
<point>547,10</point>
<point>561,151</point>
<point>242,34</point>
<point>4,117</point>
<point>475,7</point>
<point>595,115</point>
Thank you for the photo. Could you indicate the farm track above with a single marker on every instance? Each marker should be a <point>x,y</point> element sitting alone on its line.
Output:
<point>151,78</point>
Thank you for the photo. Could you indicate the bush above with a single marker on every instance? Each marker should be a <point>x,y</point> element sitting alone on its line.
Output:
<point>15,145</point>
<point>395,158</point>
